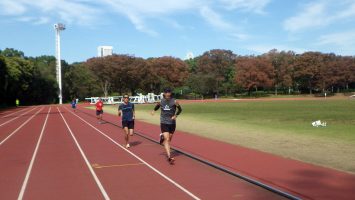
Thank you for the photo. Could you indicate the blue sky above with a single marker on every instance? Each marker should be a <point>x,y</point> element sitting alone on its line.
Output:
<point>151,28</point>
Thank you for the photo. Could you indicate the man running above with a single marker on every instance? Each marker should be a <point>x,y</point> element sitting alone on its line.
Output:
<point>126,110</point>
<point>168,117</point>
<point>99,111</point>
<point>73,105</point>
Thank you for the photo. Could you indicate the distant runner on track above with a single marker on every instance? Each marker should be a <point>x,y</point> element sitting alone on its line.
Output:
<point>126,110</point>
<point>168,117</point>
<point>99,111</point>
<point>73,105</point>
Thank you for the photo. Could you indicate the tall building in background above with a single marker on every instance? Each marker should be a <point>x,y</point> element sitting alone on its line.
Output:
<point>104,51</point>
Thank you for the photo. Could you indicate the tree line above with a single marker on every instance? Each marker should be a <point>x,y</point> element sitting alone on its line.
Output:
<point>215,72</point>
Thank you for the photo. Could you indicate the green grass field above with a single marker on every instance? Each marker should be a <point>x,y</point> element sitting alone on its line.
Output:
<point>279,127</point>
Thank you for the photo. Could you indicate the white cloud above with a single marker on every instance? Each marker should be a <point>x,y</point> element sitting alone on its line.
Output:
<point>138,12</point>
<point>41,20</point>
<point>240,36</point>
<point>214,18</point>
<point>256,6</point>
<point>66,10</point>
<point>341,42</point>
<point>321,13</point>
<point>9,7</point>
<point>153,7</point>
<point>34,20</point>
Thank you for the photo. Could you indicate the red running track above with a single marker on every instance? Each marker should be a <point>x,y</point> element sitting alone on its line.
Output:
<point>53,153</point>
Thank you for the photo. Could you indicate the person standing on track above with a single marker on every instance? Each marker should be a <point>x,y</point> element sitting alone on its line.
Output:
<point>168,116</point>
<point>126,110</point>
<point>73,105</point>
<point>99,111</point>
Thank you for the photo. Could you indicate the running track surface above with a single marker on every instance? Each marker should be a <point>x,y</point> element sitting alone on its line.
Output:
<point>49,152</point>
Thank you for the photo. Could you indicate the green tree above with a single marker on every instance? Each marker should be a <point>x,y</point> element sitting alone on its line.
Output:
<point>10,52</point>
<point>79,82</point>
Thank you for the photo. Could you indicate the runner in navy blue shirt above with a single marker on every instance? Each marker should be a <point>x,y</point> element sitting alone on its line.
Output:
<point>73,104</point>
<point>126,110</point>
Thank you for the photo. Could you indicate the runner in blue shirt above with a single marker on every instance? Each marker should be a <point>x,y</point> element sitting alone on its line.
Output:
<point>126,110</point>
<point>73,104</point>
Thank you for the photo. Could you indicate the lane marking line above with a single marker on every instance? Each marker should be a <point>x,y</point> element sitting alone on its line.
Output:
<point>140,159</point>
<point>98,166</point>
<point>13,113</point>
<point>18,128</point>
<point>28,173</point>
<point>12,119</point>
<point>102,189</point>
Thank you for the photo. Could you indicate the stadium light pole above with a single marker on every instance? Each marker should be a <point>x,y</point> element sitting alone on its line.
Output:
<point>58,28</point>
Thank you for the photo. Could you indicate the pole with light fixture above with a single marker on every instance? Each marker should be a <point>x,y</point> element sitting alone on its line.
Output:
<point>58,28</point>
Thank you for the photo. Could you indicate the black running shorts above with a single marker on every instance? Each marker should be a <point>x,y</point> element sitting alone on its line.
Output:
<point>170,128</point>
<point>99,112</point>
<point>128,124</point>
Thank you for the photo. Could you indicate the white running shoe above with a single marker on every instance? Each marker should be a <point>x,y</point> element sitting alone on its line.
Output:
<point>127,146</point>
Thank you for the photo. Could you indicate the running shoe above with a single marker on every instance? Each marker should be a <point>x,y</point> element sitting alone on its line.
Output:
<point>127,146</point>
<point>171,160</point>
<point>161,138</point>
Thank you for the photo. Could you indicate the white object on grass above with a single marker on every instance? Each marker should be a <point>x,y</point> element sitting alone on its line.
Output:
<point>319,123</point>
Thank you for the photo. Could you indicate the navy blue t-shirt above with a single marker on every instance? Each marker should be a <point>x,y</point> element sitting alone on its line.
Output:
<point>127,111</point>
<point>73,104</point>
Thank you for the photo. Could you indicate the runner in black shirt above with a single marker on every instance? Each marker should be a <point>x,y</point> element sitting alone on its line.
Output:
<point>168,117</point>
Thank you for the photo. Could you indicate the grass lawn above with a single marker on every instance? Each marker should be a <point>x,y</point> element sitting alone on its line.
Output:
<point>279,127</point>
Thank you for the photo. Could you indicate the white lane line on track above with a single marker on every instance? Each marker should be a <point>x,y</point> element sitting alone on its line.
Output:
<point>12,113</point>
<point>18,128</point>
<point>140,159</point>
<point>12,119</point>
<point>101,187</point>
<point>28,173</point>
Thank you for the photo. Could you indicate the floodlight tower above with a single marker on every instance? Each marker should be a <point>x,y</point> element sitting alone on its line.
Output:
<point>58,27</point>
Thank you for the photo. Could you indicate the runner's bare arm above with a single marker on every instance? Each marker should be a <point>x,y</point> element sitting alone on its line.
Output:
<point>134,112</point>
<point>119,111</point>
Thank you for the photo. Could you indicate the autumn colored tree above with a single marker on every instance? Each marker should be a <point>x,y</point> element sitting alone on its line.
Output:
<point>166,72</point>
<point>347,71</point>
<point>33,79</point>
<point>307,70</point>
<point>103,72</point>
<point>283,68</point>
<point>254,72</point>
